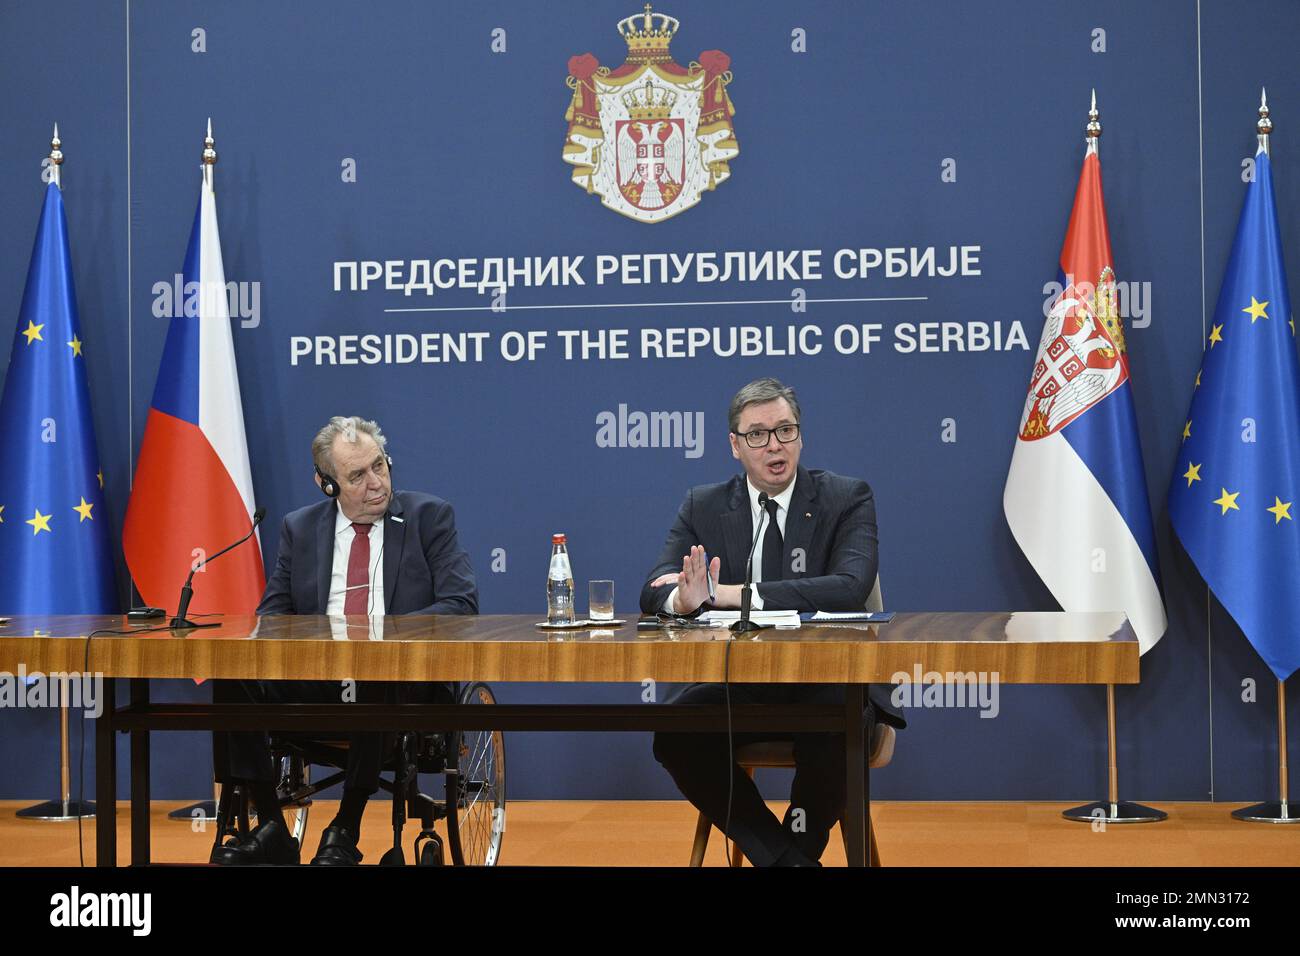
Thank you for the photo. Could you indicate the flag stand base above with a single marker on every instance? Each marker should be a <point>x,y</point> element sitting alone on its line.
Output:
<point>1279,810</point>
<point>1122,812</point>
<point>1272,811</point>
<point>1113,810</point>
<point>61,811</point>
<point>58,811</point>
<point>205,810</point>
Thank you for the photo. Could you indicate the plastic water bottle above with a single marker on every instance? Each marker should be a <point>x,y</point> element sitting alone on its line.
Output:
<point>559,584</point>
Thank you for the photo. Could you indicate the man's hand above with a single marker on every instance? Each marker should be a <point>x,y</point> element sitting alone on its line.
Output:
<point>665,579</point>
<point>692,582</point>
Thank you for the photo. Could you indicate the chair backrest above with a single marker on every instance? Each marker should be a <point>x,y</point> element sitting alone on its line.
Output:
<point>874,601</point>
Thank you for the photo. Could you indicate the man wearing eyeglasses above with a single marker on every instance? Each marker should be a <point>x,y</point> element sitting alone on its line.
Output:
<point>366,550</point>
<point>817,553</point>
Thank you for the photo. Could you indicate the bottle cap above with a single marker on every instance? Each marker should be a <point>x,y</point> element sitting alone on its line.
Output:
<point>558,538</point>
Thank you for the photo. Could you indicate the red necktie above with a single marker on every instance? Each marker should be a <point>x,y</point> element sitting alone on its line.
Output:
<point>358,594</point>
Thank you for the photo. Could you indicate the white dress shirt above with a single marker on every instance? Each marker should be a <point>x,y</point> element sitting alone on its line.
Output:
<point>755,512</point>
<point>782,510</point>
<point>343,537</point>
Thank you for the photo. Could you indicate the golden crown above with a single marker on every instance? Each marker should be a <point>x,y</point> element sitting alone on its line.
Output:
<point>648,34</point>
<point>645,107</point>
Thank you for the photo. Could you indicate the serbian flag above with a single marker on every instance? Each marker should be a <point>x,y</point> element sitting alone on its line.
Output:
<point>1076,494</point>
<point>193,490</point>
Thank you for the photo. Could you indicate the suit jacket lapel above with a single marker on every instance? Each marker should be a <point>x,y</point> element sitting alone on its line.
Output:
<point>800,521</point>
<point>394,537</point>
<point>737,529</point>
<point>325,555</point>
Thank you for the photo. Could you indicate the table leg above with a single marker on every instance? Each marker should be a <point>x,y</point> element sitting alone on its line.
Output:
<point>139,781</point>
<point>857,794</point>
<point>106,780</point>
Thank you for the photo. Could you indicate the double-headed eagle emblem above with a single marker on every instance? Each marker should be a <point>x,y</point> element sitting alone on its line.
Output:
<point>650,136</point>
<point>1081,358</point>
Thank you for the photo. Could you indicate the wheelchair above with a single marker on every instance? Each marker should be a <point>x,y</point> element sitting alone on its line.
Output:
<point>472,764</point>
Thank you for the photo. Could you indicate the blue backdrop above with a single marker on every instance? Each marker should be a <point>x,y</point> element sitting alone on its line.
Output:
<point>456,148</point>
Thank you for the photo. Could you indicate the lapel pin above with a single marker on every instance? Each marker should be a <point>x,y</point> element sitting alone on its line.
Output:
<point>397,519</point>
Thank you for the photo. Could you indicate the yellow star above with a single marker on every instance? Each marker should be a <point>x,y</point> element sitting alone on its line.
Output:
<point>1198,378</point>
<point>75,345</point>
<point>1228,502</point>
<point>100,475</point>
<point>39,523</point>
<point>1216,335</point>
<point>1292,324</point>
<point>32,332</point>
<point>1193,473</point>
<point>1187,430</point>
<point>1256,310</point>
<point>2,514</point>
<point>1281,509</point>
<point>83,509</point>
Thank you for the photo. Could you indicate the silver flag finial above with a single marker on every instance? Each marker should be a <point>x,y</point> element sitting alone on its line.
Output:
<point>56,157</point>
<point>1265,125</point>
<point>1093,130</point>
<point>209,154</point>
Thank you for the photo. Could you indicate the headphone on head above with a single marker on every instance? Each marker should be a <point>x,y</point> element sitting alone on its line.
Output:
<point>329,484</point>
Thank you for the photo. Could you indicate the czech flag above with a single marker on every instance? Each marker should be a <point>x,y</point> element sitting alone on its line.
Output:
<point>193,491</point>
<point>1076,494</point>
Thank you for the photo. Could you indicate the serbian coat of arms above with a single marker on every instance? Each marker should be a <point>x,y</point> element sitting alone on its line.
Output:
<point>1081,358</point>
<point>650,136</point>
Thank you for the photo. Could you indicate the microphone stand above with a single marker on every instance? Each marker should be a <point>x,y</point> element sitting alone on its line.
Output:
<point>745,625</point>
<point>179,622</point>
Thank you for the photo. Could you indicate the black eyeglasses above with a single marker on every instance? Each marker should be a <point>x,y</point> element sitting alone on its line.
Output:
<point>758,437</point>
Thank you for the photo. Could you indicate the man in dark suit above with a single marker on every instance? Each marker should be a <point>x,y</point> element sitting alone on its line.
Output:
<point>367,550</point>
<point>818,553</point>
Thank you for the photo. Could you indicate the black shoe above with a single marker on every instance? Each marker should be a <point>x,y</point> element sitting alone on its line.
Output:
<point>338,847</point>
<point>269,843</point>
<point>220,851</point>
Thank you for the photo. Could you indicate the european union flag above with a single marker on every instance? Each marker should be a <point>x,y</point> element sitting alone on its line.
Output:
<point>1235,497</point>
<point>54,536</point>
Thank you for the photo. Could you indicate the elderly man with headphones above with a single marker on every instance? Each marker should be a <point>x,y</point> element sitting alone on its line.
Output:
<point>365,550</point>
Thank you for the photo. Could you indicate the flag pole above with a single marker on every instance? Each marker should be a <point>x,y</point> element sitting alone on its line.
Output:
<point>204,811</point>
<point>65,808</point>
<point>1276,811</point>
<point>1112,809</point>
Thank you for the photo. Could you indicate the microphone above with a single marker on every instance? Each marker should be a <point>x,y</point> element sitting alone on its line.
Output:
<point>745,624</point>
<point>187,592</point>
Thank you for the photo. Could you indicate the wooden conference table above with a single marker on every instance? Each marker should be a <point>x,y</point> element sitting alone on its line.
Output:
<point>1021,648</point>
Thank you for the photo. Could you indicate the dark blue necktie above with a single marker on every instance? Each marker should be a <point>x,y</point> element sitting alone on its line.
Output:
<point>773,545</point>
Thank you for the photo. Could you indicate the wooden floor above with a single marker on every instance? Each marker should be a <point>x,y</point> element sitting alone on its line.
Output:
<point>658,833</point>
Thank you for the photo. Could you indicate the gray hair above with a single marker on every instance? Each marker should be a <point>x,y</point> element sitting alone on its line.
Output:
<point>759,391</point>
<point>322,446</point>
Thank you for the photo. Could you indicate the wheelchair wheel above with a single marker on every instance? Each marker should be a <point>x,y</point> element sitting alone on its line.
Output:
<point>295,776</point>
<point>476,788</point>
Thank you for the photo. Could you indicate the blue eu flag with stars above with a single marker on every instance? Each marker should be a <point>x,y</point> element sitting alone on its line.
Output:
<point>1235,495</point>
<point>55,556</point>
